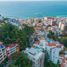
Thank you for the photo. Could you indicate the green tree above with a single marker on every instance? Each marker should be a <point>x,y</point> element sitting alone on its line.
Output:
<point>63,40</point>
<point>21,60</point>
<point>10,33</point>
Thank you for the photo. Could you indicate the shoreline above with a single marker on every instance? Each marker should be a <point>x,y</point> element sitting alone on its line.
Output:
<point>33,17</point>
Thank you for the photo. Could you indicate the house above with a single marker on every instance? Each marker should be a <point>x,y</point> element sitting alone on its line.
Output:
<point>36,56</point>
<point>2,52</point>
<point>12,49</point>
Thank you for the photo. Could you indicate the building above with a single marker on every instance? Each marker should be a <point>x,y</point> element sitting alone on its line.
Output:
<point>40,44</point>
<point>13,22</point>
<point>2,53</point>
<point>48,48</point>
<point>59,45</point>
<point>43,43</point>
<point>12,49</point>
<point>49,40</point>
<point>63,27</point>
<point>54,54</point>
<point>50,20</point>
<point>36,56</point>
<point>65,64</point>
<point>1,18</point>
<point>63,60</point>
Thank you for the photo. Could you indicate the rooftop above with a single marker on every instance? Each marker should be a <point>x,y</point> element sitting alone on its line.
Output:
<point>2,46</point>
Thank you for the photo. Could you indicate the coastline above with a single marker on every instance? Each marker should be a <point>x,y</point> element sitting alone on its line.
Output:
<point>34,17</point>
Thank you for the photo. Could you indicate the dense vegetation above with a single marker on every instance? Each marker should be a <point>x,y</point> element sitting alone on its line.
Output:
<point>20,60</point>
<point>63,40</point>
<point>10,34</point>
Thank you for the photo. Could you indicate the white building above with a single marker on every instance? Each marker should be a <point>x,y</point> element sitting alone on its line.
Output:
<point>13,22</point>
<point>54,54</point>
<point>2,53</point>
<point>53,50</point>
<point>49,47</point>
<point>36,56</point>
<point>61,26</point>
<point>11,49</point>
<point>43,43</point>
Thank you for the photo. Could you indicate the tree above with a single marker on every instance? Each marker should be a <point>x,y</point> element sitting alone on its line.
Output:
<point>63,40</point>
<point>10,34</point>
<point>23,36</point>
<point>21,60</point>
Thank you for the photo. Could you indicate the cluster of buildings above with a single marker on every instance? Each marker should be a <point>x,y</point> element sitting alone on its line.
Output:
<point>43,44</point>
<point>7,51</point>
<point>40,44</point>
<point>56,24</point>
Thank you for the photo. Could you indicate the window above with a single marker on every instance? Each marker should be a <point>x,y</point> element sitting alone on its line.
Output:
<point>0,56</point>
<point>0,53</point>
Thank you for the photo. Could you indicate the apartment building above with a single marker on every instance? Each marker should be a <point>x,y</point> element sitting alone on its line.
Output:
<point>41,45</point>
<point>48,48</point>
<point>53,49</point>
<point>36,56</point>
<point>63,26</point>
<point>11,49</point>
<point>2,53</point>
<point>54,54</point>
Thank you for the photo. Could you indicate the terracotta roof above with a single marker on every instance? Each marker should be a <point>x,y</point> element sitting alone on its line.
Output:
<point>12,45</point>
<point>51,44</point>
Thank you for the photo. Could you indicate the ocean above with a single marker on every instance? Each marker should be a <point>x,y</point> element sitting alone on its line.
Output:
<point>33,9</point>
